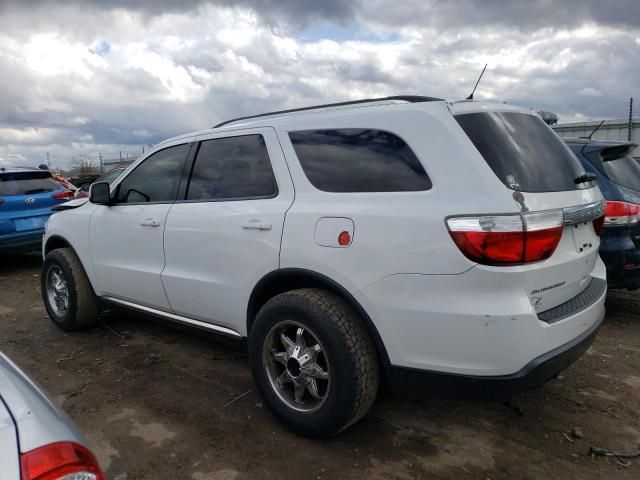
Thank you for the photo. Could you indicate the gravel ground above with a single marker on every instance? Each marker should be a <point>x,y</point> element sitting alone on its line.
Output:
<point>153,401</point>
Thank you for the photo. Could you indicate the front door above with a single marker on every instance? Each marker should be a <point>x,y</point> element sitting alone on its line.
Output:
<point>225,235</point>
<point>127,237</point>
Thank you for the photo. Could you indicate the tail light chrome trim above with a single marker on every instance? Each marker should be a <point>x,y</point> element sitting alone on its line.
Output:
<point>536,221</point>
<point>583,213</point>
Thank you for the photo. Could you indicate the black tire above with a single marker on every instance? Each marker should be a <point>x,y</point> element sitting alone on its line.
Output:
<point>82,311</point>
<point>350,353</point>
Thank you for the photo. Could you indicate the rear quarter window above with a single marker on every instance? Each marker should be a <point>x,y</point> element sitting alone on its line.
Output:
<point>358,160</point>
<point>624,171</point>
<point>523,152</point>
<point>27,183</point>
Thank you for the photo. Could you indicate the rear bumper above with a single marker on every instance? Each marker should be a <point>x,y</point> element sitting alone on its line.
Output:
<point>413,383</point>
<point>617,250</point>
<point>477,324</point>
<point>24,241</point>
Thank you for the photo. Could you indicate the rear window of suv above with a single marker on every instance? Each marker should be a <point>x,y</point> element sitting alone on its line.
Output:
<point>27,183</point>
<point>358,160</point>
<point>522,151</point>
<point>624,171</point>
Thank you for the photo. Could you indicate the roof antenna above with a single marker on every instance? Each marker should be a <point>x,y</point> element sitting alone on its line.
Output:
<point>470,97</point>
<point>594,131</point>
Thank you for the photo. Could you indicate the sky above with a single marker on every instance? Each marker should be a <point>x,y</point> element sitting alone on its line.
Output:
<point>100,77</point>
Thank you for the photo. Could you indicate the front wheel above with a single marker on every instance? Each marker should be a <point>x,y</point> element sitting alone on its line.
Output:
<point>313,361</point>
<point>66,291</point>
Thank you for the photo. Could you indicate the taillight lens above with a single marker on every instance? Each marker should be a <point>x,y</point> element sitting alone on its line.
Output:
<point>621,214</point>
<point>1,202</point>
<point>60,461</point>
<point>508,239</point>
<point>63,195</point>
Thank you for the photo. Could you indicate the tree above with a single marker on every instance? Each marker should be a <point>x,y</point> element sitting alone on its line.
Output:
<point>82,164</point>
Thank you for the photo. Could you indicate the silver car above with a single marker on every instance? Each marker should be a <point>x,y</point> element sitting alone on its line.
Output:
<point>37,439</point>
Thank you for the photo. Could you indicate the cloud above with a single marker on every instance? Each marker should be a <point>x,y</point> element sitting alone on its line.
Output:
<point>102,77</point>
<point>521,15</point>
<point>282,13</point>
<point>524,15</point>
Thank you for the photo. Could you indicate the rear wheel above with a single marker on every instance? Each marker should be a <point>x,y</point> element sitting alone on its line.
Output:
<point>313,361</point>
<point>66,291</point>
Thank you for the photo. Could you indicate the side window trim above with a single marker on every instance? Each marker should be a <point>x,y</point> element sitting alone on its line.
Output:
<point>185,178</point>
<point>191,162</point>
<point>116,188</point>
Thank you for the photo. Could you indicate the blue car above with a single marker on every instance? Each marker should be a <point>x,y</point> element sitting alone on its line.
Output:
<point>26,198</point>
<point>618,176</point>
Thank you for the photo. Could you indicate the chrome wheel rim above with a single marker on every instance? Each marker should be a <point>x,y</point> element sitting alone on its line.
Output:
<point>57,291</point>
<point>297,366</point>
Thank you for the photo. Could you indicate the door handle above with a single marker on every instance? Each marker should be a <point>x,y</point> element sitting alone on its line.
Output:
<point>150,222</point>
<point>256,225</point>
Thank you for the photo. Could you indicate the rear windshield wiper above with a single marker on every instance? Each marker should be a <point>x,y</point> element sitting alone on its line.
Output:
<point>587,177</point>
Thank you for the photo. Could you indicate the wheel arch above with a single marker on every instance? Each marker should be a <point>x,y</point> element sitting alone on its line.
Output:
<point>56,241</point>
<point>286,279</point>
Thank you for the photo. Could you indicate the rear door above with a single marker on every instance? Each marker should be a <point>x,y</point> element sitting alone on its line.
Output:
<point>126,238</point>
<point>225,234</point>
<point>26,199</point>
<point>530,159</point>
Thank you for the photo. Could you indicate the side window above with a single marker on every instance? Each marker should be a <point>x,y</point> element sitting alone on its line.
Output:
<point>358,160</point>
<point>156,179</point>
<point>232,167</point>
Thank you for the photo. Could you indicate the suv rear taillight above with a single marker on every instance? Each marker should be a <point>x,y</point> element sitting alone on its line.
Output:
<point>57,461</point>
<point>63,195</point>
<point>621,214</point>
<point>508,239</point>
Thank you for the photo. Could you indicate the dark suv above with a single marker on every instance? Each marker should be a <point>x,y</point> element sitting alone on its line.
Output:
<point>619,179</point>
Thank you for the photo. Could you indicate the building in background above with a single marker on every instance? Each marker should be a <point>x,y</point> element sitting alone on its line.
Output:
<point>107,164</point>
<point>618,129</point>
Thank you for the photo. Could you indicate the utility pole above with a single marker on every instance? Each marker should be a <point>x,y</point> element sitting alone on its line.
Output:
<point>630,126</point>
<point>48,161</point>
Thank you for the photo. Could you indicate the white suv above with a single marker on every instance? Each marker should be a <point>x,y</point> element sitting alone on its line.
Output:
<point>445,247</point>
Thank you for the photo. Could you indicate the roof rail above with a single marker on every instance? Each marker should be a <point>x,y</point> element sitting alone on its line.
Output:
<point>406,98</point>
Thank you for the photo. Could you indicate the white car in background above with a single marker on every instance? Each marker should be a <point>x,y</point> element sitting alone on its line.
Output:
<point>38,441</point>
<point>447,248</point>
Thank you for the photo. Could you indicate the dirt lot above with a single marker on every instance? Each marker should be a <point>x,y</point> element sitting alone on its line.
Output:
<point>152,398</point>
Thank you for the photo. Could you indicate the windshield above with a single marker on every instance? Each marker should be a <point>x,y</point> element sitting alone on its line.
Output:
<point>624,171</point>
<point>27,183</point>
<point>522,151</point>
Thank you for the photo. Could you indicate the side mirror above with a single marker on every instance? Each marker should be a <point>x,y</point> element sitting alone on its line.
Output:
<point>99,193</point>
